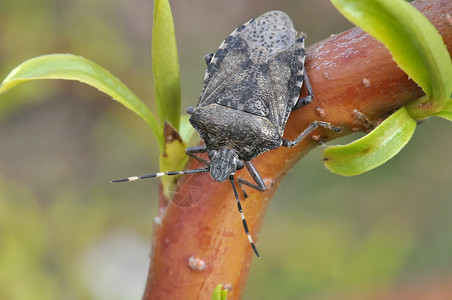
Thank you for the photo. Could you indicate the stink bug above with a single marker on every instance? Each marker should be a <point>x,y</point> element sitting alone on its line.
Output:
<point>251,85</point>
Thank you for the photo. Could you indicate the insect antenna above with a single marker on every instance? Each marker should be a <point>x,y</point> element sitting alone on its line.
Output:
<point>160,174</point>
<point>245,225</point>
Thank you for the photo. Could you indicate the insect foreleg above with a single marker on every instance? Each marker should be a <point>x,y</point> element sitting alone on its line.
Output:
<point>245,194</point>
<point>193,151</point>
<point>260,185</point>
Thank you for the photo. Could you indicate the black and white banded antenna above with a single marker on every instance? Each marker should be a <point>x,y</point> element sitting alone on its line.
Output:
<point>160,174</point>
<point>245,225</point>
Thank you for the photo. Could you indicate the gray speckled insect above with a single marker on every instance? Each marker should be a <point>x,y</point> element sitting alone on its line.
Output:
<point>251,85</point>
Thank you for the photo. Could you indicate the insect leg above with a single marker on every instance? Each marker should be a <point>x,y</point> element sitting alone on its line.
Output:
<point>192,151</point>
<point>311,127</point>
<point>307,99</point>
<point>245,225</point>
<point>260,185</point>
<point>245,194</point>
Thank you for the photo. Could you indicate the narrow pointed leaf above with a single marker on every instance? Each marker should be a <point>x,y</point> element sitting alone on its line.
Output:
<point>414,43</point>
<point>446,112</point>
<point>186,131</point>
<point>172,158</point>
<point>72,67</point>
<point>165,64</point>
<point>374,149</point>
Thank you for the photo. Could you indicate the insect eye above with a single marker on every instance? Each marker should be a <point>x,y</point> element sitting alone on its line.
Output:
<point>240,164</point>
<point>212,153</point>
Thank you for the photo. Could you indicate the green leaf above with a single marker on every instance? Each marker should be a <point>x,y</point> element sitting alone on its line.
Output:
<point>186,131</point>
<point>414,43</point>
<point>374,149</point>
<point>446,112</point>
<point>172,158</point>
<point>72,67</point>
<point>219,293</point>
<point>419,50</point>
<point>165,64</point>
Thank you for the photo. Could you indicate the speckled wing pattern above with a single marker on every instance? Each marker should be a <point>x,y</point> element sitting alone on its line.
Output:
<point>258,69</point>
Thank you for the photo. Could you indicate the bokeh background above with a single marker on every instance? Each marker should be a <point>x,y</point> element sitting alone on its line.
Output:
<point>67,233</point>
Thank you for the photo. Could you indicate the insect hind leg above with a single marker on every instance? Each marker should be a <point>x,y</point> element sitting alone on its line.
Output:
<point>311,127</point>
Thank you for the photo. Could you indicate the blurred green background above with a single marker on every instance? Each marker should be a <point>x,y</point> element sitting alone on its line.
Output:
<point>67,233</point>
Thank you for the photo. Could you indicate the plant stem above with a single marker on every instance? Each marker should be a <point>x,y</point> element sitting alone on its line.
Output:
<point>349,72</point>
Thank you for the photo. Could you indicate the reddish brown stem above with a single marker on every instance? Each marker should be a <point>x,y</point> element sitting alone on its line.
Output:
<point>195,248</point>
